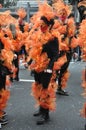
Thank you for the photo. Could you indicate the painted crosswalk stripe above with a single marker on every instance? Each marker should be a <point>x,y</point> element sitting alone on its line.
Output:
<point>26,80</point>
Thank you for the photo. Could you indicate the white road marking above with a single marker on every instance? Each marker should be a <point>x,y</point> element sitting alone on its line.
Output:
<point>26,80</point>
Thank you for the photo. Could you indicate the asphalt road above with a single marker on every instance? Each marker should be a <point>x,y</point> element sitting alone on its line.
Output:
<point>21,107</point>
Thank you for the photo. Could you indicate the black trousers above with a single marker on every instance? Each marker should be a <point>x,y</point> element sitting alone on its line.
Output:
<point>64,67</point>
<point>42,78</point>
<point>2,82</point>
<point>16,63</point>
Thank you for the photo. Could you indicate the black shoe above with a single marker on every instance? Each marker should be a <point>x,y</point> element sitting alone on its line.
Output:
<point>11,79</point>
<point>62,92</point>
<point>38,113</point>
<point>42,120</point>
<point>3,121</point>
<point>79,59</point>
<point>17,79</point>
<point>4,114</point>
<point>85,126</point>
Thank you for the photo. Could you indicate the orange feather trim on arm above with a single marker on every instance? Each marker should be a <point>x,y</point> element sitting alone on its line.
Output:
<point>59,62</point>
<point>40,63</point>
<point>7,57</point>
<point>7,43</point>
<point>74,42</point>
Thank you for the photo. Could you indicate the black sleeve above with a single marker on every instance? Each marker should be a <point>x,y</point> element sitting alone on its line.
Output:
<point>55,51</point>
<point>52,49</point>
<point>29,62</point>
<point>1,45</point>
<point>21,27</point>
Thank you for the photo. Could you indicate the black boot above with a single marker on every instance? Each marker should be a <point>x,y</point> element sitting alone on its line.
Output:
<point>3,120</point>
<point>39,112</point>
<point>44,117</point>
<point>60,91</point>
<point>11,79</point>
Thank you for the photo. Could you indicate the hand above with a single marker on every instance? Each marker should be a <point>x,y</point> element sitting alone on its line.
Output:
<point>48,71</point>
<point>15,56</point>
<point>25,65</point>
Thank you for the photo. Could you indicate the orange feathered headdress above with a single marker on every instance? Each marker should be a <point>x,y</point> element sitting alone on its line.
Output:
<point>46,10</point>
<point>60,5</point>
<point>21,12</point>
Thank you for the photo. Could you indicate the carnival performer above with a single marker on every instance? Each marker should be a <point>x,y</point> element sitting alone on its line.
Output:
<point>5,70</point>
<point>7,47</point>
<point>66,19</point>
<point>15,58</point>
<point>43,48</point>
<point>18,39</point>
<point>82,43</point>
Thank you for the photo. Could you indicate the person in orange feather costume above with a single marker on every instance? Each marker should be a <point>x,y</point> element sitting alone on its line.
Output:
<point>66,20</point>
<point>5,69</point>
<point>43,52</point>
<point>43,77</point>
<point>10,41</point>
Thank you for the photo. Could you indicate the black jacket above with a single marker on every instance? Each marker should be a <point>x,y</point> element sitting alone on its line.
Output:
<point>52,49</point>
<point>1,45</point>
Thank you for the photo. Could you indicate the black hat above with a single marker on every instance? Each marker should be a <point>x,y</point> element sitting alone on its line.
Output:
<point>48,22</point>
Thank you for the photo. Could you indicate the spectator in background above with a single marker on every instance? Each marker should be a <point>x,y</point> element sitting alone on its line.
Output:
<point>82,9</point>
<point>22,52</point>
<point>0,5</point>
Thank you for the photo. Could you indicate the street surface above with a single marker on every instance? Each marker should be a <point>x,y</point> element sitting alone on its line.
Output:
<point>20,106</point>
